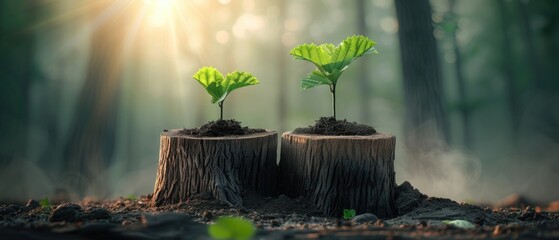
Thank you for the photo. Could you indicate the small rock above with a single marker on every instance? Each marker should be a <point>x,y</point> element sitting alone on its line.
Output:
<point>68,212</point>
<point>364,218</point>
<point>207,215</point>
<point>275,223</point>
<point>97,213</point>
<point>33,204</point>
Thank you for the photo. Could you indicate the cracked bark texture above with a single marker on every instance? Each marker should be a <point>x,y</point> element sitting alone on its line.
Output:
<point>222,166</point>
<point>340,172</point>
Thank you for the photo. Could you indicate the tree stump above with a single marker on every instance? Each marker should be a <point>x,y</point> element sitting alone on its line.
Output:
<point>340,172</point>
<point>222,166</point>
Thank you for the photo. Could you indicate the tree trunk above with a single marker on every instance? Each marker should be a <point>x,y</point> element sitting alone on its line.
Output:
<point>531,52</point>
<point>89,146</point>
<point>222,166</point>
<point>508,68</point>
<point>426,123</point>
<point>462,92</point>
<point>340,172</point>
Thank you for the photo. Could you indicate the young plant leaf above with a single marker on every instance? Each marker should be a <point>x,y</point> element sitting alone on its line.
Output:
<point>212,81</point>
<point>237,79</point>
<point>231,228</point>
<point>349,214</point>
<point>315,78</point>
<point>218,86</point>
<point>350,49</point>
<point>312,53</point>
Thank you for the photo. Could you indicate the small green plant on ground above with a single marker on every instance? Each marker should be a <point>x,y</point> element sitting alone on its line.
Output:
<point>331,61</point>
<point>231,228</point>
<point>220,87</point>
<point>131,197</point>
<point>45,203</point>
<point>349,214</point>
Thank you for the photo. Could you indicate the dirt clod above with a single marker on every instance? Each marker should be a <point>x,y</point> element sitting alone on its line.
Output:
<point>67,212</point>
<point>407,198</point>
<point>221,128</point>
<point>331,126</point>
<point>97,213</point>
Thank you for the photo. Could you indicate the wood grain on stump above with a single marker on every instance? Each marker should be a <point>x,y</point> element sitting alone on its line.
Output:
<point>340,172</point>
<point>222,166</point>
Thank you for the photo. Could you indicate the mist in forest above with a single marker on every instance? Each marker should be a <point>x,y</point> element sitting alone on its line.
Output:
<point>468,87</point>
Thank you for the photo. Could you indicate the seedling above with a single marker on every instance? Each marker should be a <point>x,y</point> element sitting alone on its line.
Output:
<point>45,203</point>
<point>219,87</point>
<point>131,197</point>
<point>331,61</point>
<point>349,214</point>
<point>231,228</point>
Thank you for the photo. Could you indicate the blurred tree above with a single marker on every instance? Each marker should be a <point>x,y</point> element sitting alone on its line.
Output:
<point>92,130</point>
<point>530,48</point>
<point>363,75</point>
<point>426,122</point>
<point>507,65</point>
<point>451,26</point>
<point>16,46</point>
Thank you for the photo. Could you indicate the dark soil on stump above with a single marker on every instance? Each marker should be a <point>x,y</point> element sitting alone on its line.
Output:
<point>331,127</point>
<point>221,128</point>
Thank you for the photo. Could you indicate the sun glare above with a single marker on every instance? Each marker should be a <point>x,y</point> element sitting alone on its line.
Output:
<point>160,12</point>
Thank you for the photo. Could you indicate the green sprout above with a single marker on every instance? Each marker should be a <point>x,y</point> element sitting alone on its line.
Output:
<point>231,228</point>
<point>219,87</point>
<point>131,197</point>
<point>45,203</point>
<point>331,61</point>
<point>349,214</point>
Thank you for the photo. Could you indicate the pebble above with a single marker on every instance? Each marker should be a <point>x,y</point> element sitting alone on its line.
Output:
<point>33,204</point>
<point>68,212</point>
<point>97,213</point>
<point>364,218</point>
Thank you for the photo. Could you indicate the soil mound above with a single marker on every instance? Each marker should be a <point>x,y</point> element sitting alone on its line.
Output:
<point>331,126</point>
<point>221,128</point>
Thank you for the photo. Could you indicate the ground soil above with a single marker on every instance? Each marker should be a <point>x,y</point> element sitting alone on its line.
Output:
<point>221,128</point>
<point>277,217</point>
<point>331,126</point>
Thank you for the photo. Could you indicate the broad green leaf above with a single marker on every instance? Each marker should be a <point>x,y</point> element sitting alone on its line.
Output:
<point>314,79</point>
<point>328,47</point>
<point>212,81</point>
<point>236,80</point>
<point>460,224</point>
<point>218,86</point>
<point>349,214</point>
<point>231,228</point>
<point>312,53</point>
<point>350,49</point>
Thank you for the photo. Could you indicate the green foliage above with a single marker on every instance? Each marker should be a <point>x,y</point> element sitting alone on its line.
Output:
<point>349,214</point>
<point>45,203</point>
<point>331,61</point>
<point>131,197</point>
<point>231,228</point>
<point>460,224</point>
<point>218,86</point>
